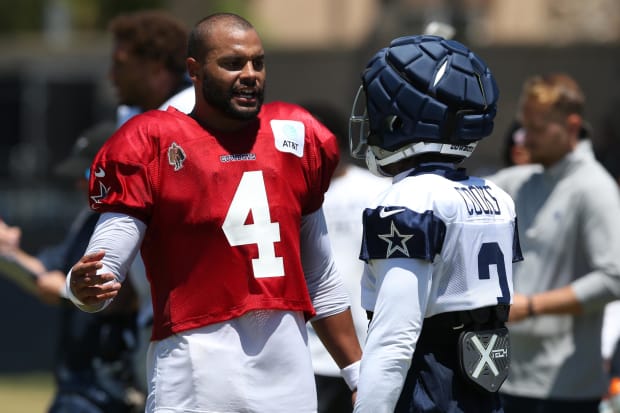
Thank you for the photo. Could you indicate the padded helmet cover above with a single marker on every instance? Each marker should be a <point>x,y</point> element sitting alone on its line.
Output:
<point>428,89</point>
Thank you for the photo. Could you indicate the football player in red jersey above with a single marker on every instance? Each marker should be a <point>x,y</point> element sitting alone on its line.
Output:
<point>225,205</point>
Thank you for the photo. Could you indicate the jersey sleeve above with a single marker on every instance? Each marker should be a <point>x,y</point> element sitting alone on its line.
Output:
<point>517,255</point>
<point>399,232</point>
<point>123,171</point>
<point>398,314</point>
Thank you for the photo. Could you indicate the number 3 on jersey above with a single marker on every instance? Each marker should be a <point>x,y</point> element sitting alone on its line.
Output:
<point>491,254</point>
<point>251,198</point>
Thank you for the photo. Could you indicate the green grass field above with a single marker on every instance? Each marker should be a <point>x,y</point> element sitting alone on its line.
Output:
<point>25,393</point>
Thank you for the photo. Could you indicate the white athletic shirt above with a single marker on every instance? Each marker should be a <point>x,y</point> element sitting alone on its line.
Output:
<point>437,241</point>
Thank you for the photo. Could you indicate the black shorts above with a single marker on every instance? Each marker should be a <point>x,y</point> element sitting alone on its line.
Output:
<point>435,382</point>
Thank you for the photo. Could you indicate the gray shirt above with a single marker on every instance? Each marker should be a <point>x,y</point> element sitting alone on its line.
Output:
<point>569,226</point>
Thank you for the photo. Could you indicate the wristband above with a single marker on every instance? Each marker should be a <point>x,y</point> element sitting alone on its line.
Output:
<point>530,307</point>
<point>69,294</point>
<point>351,375</point>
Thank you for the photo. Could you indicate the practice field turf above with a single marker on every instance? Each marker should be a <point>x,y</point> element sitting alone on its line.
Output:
<point>25,393</point>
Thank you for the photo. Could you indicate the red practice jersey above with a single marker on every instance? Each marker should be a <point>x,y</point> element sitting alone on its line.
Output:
<point>222,210</point>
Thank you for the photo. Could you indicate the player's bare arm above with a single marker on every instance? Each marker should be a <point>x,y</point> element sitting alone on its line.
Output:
<point>559,301</point>
<point>90,288</point>
<point>51,287</point>
<point>338,335</point>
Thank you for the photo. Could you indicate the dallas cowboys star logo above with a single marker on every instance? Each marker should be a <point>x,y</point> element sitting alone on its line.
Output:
<point>103,192</point>
<point>396,241</point>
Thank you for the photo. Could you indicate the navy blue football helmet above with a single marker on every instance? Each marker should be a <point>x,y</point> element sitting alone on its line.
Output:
<point>421,94</point>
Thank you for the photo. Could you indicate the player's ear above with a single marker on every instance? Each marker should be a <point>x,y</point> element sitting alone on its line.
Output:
<point>574,123</point>
<point>193,68</point>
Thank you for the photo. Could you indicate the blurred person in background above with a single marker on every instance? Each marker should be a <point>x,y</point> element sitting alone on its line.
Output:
<point>350,191</point>
<point>568,207</point>
<point>147,69</point>
<point>439,244</point>
<point>225,206</point>
<point>93,365</point>
<point>515,152</point>
<point>148,63</point>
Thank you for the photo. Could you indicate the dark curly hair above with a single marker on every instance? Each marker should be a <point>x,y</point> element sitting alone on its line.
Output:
<point>153,34</point>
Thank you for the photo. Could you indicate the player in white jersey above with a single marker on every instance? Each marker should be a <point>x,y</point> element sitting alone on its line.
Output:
<point>438,245</point>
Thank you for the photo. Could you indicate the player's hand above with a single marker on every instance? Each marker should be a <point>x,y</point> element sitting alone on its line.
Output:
<point>89,287</point>
<point>519,308</point>
<point>9,238</point>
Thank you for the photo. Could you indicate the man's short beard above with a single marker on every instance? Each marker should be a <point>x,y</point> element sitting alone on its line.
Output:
<point>221,99</point>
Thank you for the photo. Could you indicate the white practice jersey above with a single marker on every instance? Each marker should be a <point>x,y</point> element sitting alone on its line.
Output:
<point>437,241</point>
<point>464,226</point>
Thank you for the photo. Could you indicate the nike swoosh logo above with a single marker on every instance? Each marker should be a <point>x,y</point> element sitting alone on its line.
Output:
<point>100,173</point>
<point>384,214</point>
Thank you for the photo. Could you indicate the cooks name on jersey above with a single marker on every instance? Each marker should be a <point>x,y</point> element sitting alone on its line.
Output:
<point>479,200</point>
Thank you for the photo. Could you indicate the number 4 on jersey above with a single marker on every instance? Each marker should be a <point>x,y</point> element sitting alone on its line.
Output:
<point>251,198</point>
